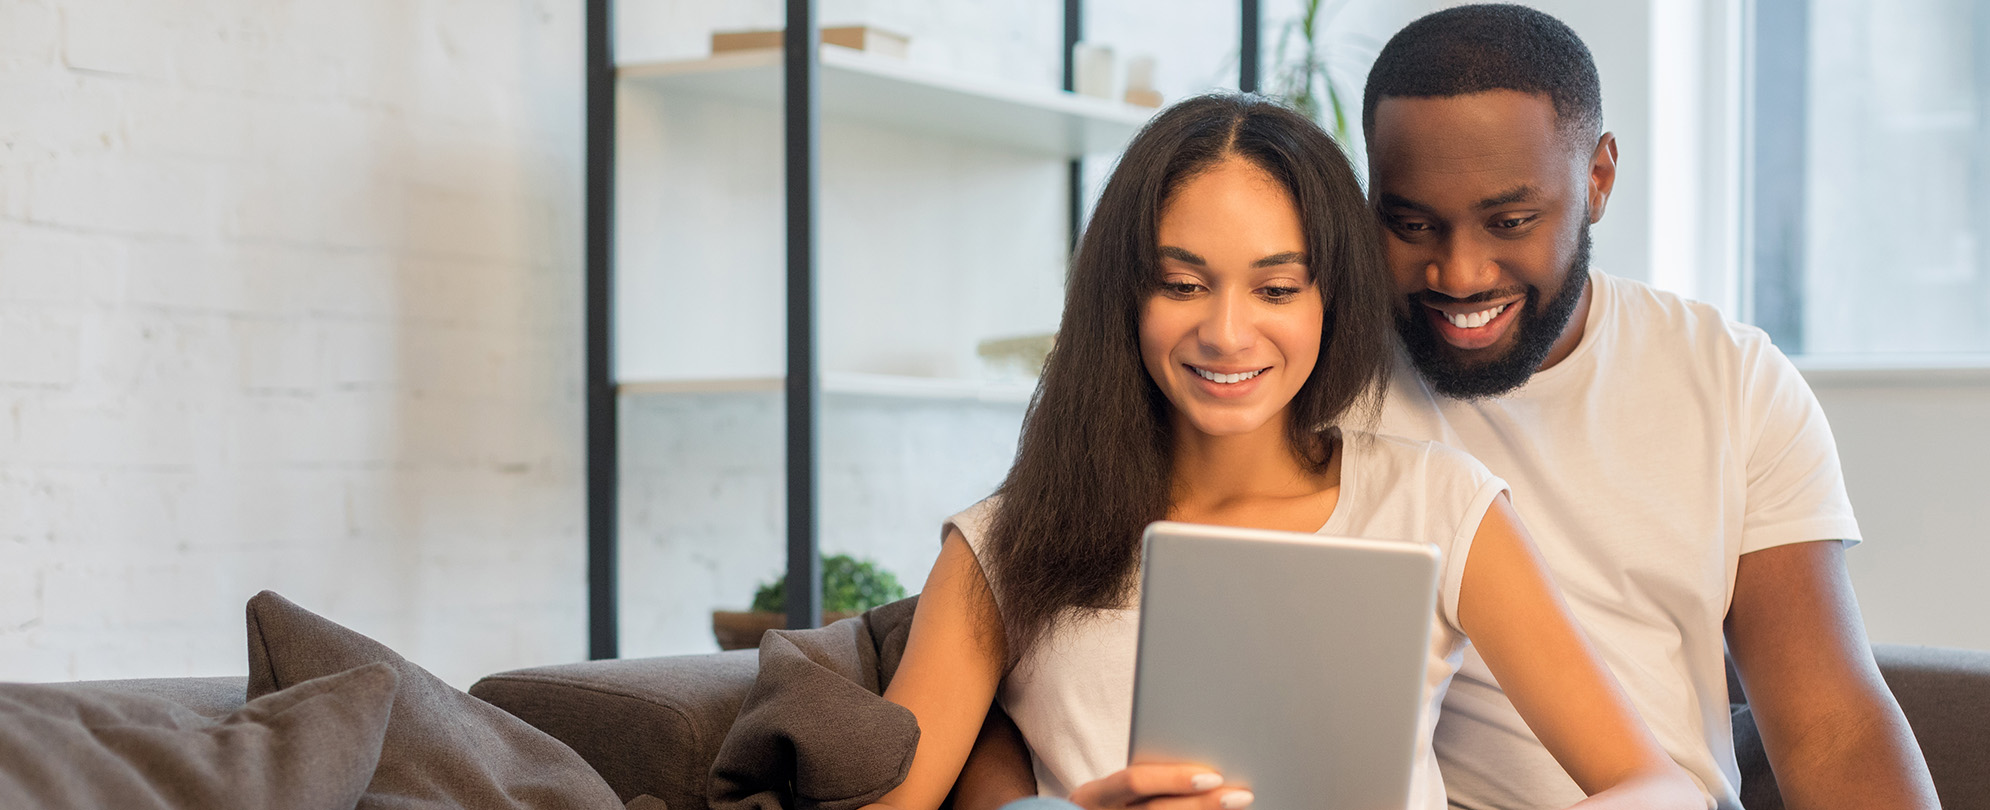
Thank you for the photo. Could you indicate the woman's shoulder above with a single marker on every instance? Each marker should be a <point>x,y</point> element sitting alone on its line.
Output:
<point>972,523</point>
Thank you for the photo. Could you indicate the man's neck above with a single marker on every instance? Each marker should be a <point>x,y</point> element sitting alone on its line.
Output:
<point>1572,331</point>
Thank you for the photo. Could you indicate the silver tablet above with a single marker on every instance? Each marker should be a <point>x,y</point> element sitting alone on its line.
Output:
<point>1291,663</point>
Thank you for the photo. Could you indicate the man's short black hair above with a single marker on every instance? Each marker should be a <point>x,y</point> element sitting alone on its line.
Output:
<point>1493,46</point>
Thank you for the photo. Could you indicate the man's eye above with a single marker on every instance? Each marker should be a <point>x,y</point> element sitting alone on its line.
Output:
<point>1512,222</point>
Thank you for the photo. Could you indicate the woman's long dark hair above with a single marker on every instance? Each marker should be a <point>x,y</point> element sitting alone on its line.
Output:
<point>1094,464</point>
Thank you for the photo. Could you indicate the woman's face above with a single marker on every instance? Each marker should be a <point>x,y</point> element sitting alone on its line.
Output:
<point>1234,329</point>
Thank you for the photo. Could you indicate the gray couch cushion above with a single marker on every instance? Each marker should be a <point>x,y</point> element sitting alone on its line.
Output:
<point>212,697</point>
<point>814,732</point>
<point>90,745</point>
<point>650,726</point>
<point>1945,694</point>
<point>442,748</point>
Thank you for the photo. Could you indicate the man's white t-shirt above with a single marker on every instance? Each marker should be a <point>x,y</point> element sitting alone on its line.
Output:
<point>1668,444</point>
<point>1072,694</point>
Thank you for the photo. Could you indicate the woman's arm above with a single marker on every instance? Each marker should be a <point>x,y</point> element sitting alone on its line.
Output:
<point>952,664</point>
<point>1514,614</point>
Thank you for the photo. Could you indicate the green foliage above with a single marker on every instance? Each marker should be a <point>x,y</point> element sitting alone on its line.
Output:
<point>848,586</point>
<point>1301,76</point>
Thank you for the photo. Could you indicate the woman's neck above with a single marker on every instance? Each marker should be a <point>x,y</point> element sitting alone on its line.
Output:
<point>1220,473</point>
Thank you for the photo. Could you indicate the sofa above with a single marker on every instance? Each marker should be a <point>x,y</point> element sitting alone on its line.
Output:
<point>648,730</point>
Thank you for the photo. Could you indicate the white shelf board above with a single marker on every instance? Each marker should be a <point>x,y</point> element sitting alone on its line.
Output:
<point>889,92</point>
<point>1894,370</point>
<point>846,383</point>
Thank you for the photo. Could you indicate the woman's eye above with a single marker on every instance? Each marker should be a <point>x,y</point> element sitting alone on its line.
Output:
<point>1179,289</point>
<point>1281,293</point>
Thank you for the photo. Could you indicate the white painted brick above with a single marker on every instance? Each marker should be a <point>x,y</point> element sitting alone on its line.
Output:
<point>227,509</point>
<point>40,266</point>
<point>35,350</point>
<point>188,275</point>
<point>108,36</point>
<point>156,352</point>
<point>20,597</point>
<point>29,34</point>
<point>91,120</point>
<point>197,124</point>
<point>110,192</point>
<point>362,353</point>
<point>355,285</point>
<point>283,354</point>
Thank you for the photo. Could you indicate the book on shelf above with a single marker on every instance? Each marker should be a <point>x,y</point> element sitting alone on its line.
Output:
<point>855,37</point>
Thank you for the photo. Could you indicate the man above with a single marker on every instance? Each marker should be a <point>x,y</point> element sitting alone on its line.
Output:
<point>1673,467</point>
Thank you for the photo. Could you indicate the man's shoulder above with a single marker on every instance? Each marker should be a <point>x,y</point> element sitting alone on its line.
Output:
<point>1645,315</point>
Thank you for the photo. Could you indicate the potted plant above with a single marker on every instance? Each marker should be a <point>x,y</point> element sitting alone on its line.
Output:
<point>849,587</point>
<point>1301,77</point>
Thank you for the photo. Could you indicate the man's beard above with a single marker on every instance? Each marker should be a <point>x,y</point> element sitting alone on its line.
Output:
<point>1537,328</point>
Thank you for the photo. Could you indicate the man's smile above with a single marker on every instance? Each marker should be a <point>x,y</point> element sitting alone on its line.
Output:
<point>1473,326</point>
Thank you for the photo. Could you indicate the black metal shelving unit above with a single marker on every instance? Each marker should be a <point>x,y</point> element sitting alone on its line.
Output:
<point>803,387</point>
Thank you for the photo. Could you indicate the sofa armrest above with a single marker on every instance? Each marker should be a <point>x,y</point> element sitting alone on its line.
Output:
<point>647,725</point>
<point>1945,694</point>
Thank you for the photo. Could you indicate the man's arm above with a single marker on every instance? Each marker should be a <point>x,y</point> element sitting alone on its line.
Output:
<point>1833,732</point>
<point>998,770</point>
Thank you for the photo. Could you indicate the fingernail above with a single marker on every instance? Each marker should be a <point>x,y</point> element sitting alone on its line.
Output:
<point>1237,799</point>
<point>1206,781</point>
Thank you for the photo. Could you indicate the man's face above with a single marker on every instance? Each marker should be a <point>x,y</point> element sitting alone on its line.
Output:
<point>1485,207</point>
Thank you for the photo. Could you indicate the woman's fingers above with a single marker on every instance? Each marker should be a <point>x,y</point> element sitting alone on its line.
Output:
<point>1234,799</point>
<point>1161,787</point>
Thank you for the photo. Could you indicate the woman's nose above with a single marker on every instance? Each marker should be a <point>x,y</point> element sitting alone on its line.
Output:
<point>1228,326</point>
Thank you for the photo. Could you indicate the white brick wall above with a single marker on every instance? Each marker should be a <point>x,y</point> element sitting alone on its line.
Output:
<point>289,298</point>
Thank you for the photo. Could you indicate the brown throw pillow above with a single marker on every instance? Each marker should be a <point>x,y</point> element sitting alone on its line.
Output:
<point>84,746</point>
<point>443,748</point>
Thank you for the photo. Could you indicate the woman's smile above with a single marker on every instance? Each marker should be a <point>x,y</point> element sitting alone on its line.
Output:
<point>1228,385</point>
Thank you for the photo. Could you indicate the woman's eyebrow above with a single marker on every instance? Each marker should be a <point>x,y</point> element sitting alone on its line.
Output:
<point>1276,259</point>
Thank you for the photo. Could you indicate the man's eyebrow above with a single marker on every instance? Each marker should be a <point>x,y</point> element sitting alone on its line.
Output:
<point>1388,201</point>
<point>1276,259</point>
<point>1519,193</point>
<point>1182,256</point>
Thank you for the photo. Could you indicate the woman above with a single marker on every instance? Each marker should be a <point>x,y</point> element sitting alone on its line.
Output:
<point>1228,304</point>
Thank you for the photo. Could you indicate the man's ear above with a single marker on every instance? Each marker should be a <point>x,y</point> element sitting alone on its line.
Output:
<point>1602,175</point>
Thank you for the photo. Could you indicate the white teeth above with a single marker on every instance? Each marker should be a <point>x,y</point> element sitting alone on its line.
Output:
<point>1226,379</point>
<point>1474,320</point>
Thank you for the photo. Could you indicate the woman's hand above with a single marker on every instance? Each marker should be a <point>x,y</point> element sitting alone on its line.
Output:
<point>1161,787</point>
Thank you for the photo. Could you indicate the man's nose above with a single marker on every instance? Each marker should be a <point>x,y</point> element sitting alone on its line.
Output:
<point>1462,268</point>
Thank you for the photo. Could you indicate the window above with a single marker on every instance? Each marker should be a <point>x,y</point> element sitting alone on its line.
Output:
<point>1869,221</point>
